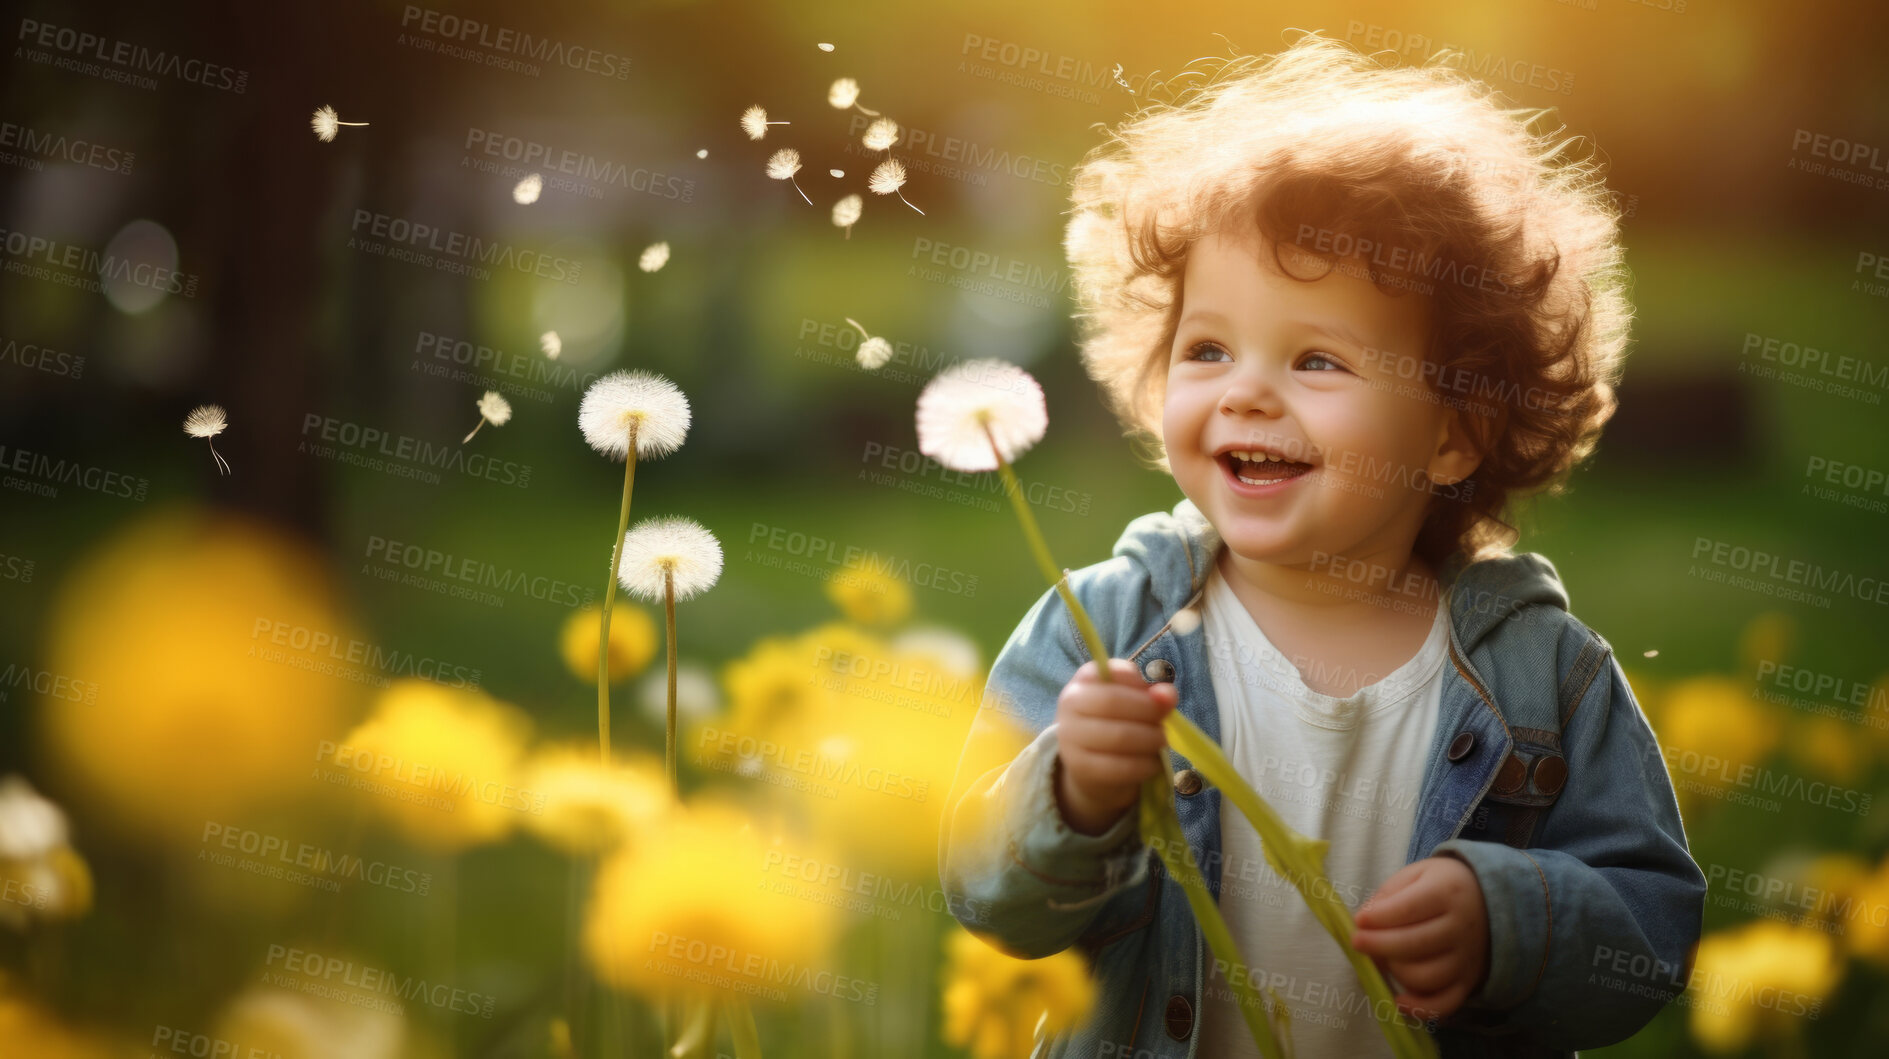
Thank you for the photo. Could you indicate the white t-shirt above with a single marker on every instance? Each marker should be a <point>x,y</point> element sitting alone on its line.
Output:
<point>1346,770</point>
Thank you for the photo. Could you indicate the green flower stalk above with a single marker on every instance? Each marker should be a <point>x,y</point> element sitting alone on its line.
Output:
<point>627,415</point>
<point>666,560</point>
<point>980,416</point>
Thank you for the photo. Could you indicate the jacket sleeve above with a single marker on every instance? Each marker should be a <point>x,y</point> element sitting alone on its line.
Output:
<point>1012,870</point>
<point>1593,931</point>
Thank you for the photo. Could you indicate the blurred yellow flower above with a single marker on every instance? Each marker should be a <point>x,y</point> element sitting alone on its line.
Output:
<point>1830,748</point>
<point>590,807</point>
<point>445,763</point>
<point>284,1024</point>
<point>1861,905</point>
<point>1710,728</point>
<point>29,1029</point>
<point>702,906</point>
<point>1767,638</point>
<point>868,595</point>
<point>1759,980</point>
<point>182,673</point>
<point>993,1003</point>
<point>632,642</point>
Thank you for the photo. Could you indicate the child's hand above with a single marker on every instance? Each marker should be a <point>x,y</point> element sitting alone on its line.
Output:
<point>1426,926</point>
<point>1108,737</point>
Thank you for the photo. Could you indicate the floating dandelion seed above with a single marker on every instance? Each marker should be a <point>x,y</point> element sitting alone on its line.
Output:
<point>874,351</point>
<point>754,122</point>
<point>1654,653</point>
<point>887,178</point>
<point>846,213</point>
<point>845,93</point>
<point>703,153</point>
<point>665,560</point>
<point>1117,74</point>
<point>206,421</point>
<point>782,165</point>
<point>881,135</point>
<point>627,415</point>
<point>326,123</point>
<point>525,192</point>
<point>824,46</point>
<point>493,409</point>
<point>551,344</point>
<point>655,256</point>
<point>973,407</point>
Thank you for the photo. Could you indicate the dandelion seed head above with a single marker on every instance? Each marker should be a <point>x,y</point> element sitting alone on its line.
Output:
<point>494,408</point>
<point>843,94</point>
<point>754,122</point>
<point>881,134</point>
<point>783,164</point>
<point>325,123</point>
<point>703,153</point>
<point>887,177</point>
<point>846,211</point>
<point>206,421</point>
<point>626,402</point>
<point>526,191</point>
<point>964,399</point>
<point>873,353</point>
<point>675,549</point>
<point>551,344</point>
<point>655,256</point>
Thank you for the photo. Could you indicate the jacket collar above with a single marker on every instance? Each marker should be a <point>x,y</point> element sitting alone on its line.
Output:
<point>1179,548</point>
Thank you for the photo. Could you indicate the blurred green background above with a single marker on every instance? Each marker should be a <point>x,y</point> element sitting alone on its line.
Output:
<point>1707,115</point>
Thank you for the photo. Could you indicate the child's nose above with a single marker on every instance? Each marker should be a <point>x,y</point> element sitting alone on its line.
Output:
<point>1251,389</point>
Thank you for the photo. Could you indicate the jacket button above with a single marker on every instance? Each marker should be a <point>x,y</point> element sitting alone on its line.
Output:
<point>1187,782</point>
<point>1508,779</point>
<point>1158,670</point>
<point>1550,773</point>
<point>1180,1017</point>
<point>1461,745</point>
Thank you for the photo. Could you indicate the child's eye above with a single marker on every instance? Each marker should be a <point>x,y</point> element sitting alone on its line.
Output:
<point>1325,363</point>
<point>1200,351</point>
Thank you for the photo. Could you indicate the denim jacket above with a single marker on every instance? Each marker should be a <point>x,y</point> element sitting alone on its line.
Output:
<point>1592,926</point>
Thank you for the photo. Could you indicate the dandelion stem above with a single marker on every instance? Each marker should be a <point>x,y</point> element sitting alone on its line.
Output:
<point>475,430</point>
<point>741,1028</point>
<point>803,194</point>
<point>1056,576</point>
<point>350,123</point>
<point>908,202</point>
<point>222,464</point>
<point>862,331</point>
<point>669,634</point>
<point>609,601</point>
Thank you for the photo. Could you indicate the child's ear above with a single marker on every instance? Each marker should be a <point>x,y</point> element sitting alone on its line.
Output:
<point>1457,454</point>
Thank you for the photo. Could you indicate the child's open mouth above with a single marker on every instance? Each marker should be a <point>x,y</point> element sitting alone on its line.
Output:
<point>1258,469</point>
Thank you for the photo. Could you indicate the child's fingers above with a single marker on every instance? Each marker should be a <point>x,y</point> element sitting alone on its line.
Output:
<point>1120,672</point>
<point>1429,976</point>
<point>1110,769</point>
<point>1411,942</point>
<point>1402,903</point>
<point>1104,735</point>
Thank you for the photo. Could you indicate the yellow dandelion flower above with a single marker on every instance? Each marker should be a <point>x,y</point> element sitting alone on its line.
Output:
<point>590,807</point>
<point>1739,974</point>
<point>1766,638</point>
<point>994,1003</point>
<point>697,902</point>
<point>451,757</point>
<point>28,1028</point>
<point>632,642</point>
<point>166,639</point>
<point>1828,746</point>
<point>1710,727</point>
<point>868,595</point>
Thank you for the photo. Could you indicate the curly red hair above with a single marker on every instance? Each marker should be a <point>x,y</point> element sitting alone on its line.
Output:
<point>1419,177</point>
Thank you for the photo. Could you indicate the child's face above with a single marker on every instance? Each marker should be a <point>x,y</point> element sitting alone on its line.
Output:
<point>1308,371</point>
